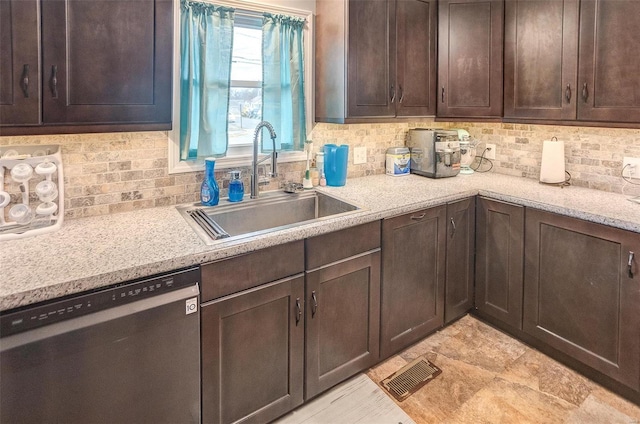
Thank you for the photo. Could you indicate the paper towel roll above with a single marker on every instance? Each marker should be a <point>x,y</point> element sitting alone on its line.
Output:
<point>552,166</point>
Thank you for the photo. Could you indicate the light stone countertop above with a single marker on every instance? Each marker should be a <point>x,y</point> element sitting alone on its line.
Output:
<point>88,253</point>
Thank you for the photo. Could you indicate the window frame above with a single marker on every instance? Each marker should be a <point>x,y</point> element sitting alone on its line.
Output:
<point>241,155</point>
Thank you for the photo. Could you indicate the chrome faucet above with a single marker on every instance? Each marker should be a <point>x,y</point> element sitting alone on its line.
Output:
<point>256,162</point>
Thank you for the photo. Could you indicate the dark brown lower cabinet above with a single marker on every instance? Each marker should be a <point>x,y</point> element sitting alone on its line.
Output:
<point>413,277</point>
<point>343,320</point>
<point>253,353</point>
<point>459,279</point>
<point>499,260</point>
<point>582,292</point>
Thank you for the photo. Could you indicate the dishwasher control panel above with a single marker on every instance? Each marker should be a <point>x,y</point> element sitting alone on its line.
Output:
<point>34,316</point>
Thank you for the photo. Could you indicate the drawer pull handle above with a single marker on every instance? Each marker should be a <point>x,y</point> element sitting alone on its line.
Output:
<point>53,82</point>
<point>418,217</point>
<point>298,310</point>
<point>629,265</point>
<point>314,304</point>
<point>585,92</point>
<point>24,81</point>
<point>567,93</point>
<point>453,227</point>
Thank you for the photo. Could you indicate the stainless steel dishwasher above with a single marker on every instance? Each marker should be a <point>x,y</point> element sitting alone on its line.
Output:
<point>125,354</point>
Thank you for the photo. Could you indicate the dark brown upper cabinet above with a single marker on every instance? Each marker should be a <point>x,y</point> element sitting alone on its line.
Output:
<point>20,63</point>
<point>470,46</point>
<point>375,59</point>
<point>540,59</point>
<point>106,66</point>
<point>570,60</point>
<point>608,81</point>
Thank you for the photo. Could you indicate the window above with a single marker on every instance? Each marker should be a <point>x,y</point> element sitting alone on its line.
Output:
<point>245,99</point>
<point>245,102</point>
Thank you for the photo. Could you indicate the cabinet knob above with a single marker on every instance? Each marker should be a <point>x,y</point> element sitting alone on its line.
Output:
<point>24,80</point>
<point>630,265</point>
<point>567,93</point>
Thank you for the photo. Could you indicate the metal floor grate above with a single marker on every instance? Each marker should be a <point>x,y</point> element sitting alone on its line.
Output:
<point>406,381</point>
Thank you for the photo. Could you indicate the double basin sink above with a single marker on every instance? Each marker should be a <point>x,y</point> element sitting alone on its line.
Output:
<point>272,211</point>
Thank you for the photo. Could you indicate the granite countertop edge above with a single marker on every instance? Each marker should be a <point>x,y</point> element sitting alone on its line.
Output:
<point>100,251</point>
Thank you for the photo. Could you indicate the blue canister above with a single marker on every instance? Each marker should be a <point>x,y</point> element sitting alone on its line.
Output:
<point>209,190</point>
<point>336,159</point>
<point>236,187</point>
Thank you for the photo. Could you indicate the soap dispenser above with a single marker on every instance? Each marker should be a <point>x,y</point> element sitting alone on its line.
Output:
<point>236,187</point>
<point>209,190</point>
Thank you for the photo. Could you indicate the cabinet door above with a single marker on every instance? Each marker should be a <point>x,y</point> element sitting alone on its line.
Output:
<point>470,58</point>
<point>343,321</point>
<point>609,61</point>
<point>579,295</point>
<point>461,221</point>
<point>107,61</point>
<point>541,59</point>
<point>499,260</point>
<point>20,64</point>
<point>413,265</point>
<point>252,353</point>
<point>416,25</point>
<point>371,64</point>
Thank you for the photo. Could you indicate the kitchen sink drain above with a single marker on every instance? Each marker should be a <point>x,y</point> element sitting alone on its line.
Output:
<point>408,379</point>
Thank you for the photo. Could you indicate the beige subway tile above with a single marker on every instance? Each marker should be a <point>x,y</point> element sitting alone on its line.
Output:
<point>121,207</point>
<point>95,168</point>
<point>130,175</point>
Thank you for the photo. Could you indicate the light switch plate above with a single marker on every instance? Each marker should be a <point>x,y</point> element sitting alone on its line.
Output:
<point>359,155</point>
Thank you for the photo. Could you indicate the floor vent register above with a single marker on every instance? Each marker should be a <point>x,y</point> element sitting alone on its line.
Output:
<point>406,381</point>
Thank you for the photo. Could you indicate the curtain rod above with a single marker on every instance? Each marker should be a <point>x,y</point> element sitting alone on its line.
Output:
<point>259,8</point>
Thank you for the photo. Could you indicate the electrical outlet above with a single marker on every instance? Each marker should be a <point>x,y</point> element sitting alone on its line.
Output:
<point>359,155</point>
<point>491,151</point>
<point>631,167</point>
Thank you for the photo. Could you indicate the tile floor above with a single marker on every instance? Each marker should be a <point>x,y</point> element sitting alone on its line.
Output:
<point>489,377</point>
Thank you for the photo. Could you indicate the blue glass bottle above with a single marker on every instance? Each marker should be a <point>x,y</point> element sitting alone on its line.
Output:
<point>209,190</point>
<point>236,187</point>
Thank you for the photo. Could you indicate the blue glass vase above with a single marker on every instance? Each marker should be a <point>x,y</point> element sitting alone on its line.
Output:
<point>209,190</point>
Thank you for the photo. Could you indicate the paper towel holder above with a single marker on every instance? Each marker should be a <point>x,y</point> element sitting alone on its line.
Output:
<point>552,165</point>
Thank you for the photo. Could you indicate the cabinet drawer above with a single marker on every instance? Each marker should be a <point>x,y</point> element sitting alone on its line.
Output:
<point>332,247</point>
<point>228,276</point>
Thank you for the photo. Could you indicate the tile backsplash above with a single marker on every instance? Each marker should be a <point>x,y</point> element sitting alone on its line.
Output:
<point>114,172</point>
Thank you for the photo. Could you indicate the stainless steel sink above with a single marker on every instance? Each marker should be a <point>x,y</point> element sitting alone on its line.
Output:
<point>272,211</point>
